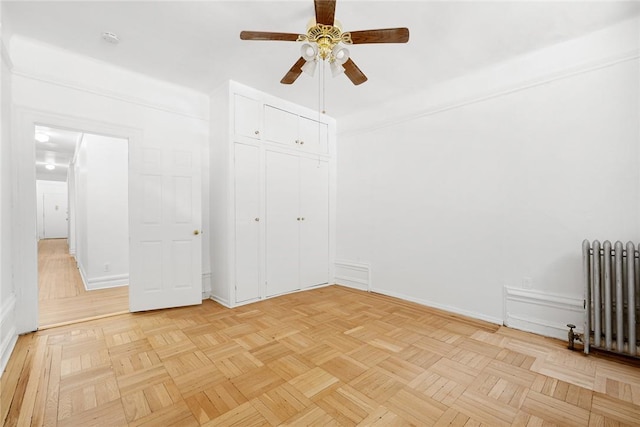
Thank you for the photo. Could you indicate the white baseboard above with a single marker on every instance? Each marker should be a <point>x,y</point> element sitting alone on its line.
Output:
<point>543,313</point>
<point>222,301</point>
<point>352,274</point>
<point>206,285</point>
<point>7,330</point>
<point>444,307</point>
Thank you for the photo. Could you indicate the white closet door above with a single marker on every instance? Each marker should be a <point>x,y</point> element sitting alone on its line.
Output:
<point>314,228</point>
<point>282,222</point>
<point>280,126</point>
<point>247,222</point>
<point>314,137</point>
<point>247,117</point>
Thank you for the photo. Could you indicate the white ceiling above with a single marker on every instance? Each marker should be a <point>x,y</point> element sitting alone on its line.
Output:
<point>58,151</point>
<point>197,44</point>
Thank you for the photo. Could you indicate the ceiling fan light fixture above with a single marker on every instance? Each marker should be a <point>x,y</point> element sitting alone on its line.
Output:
<point>336,69</point>
<point>340,54</point>
<point>308,52</point>
<point>310,67</point>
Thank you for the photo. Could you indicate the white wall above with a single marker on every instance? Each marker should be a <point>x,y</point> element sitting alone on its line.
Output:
<point>47,187</point>
<point>71,193</point>
<point>8,330</point>
<point>102,211</point>
<point>62,89</point>
<point>493,180</point>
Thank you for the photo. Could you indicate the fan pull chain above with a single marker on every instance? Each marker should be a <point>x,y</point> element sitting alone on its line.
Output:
<point>322,91</point>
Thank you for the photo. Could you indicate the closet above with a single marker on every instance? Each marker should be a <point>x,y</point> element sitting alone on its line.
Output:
<point>272,181</point>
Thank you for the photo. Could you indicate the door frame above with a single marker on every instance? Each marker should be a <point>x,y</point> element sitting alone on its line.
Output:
<point>25,235</point>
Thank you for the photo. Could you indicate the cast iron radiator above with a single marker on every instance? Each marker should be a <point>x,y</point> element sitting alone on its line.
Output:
<point>612,297</point>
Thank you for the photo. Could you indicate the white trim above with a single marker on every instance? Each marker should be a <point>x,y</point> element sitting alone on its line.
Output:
<point>6,58</point>
<point>102,282</point>
<point>543,313</point>
<point>24,209</point>
<point>10,337</point>
<point>82,276</point>
<point>539,326</point>
<point>355,275</point>
<point>496,93</point>
<point>105,282</point>
<point>545,299</point>
<point>223,301</point>
<point>454,310</point>
<point>109,94</point>
<point>206,285</point>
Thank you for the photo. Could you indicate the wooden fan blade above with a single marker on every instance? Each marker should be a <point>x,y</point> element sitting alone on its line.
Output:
<point>386,35</point>
<point>294,72</point>
<point>325,11</point>
<point>354,73</point>
<point>262,35</point>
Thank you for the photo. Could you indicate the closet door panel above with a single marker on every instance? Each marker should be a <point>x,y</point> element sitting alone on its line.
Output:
<point>247,222</point>
<point>314,228</point>
<point>247,116</point>
<point>282,223</point>
<point>280,126</point>
<point>314,137</point>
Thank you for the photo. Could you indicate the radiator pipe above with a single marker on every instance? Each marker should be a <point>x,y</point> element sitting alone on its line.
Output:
<point>607,294</point>
<point>620,296</point>
<point>631,297</point>
<point>586,274</point>
<point>597,304</point>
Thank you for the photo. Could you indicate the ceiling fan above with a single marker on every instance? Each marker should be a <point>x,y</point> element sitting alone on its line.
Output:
<point>323,41</point>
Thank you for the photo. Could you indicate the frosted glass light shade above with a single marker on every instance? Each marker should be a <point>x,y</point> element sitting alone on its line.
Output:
<point>308,51</point>
<point>340,54</point>
<point>336,69</point>
<point>310,67</point>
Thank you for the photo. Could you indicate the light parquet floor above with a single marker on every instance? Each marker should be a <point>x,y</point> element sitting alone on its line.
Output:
<point>328,356</point>
<point>62,297</point>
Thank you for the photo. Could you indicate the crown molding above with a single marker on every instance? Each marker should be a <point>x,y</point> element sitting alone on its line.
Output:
<point>6,58</point>
<point>376,123</point>
<point>95,90</point>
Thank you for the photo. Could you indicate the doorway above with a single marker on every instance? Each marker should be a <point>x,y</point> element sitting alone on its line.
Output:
<point>82,221</point>
<point>164,201</point>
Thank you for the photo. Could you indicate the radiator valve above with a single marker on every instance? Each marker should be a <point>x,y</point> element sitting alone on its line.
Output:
<point>573,337</point>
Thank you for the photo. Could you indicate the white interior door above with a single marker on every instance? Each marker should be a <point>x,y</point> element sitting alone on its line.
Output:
<point>165,221</point>
<point>247,222</point>
<point>314,228</point>
<point>54,215</point>
<point>282,222</point>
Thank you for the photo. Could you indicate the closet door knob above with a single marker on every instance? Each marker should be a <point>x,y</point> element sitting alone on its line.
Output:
<point>301,142</point>
<point>257,132</point>
<point>257,219</point>
<point>196,232</point>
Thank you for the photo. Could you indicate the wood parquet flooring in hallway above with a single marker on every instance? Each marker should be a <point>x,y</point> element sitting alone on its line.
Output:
<point>328,356</point>
<point>62,297</point>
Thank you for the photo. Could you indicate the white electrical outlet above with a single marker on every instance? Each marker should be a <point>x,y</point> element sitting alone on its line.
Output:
<point>527,283</point>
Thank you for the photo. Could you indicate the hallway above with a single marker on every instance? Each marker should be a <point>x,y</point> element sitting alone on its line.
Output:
<point>62,296</point>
